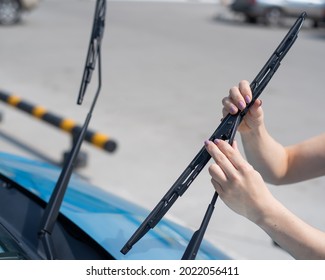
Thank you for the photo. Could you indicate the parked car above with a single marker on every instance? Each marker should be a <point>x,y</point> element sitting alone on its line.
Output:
<point>272,12</point>
<point>92,224</point>
<point>11,10</point>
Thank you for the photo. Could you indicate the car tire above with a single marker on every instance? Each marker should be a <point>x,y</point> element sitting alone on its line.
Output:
<point>273,17</point>
<point>10,12</point>
<point>250,19</point>
<point>315,24</point>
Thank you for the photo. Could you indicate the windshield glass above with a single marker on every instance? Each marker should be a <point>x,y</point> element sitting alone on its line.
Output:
<point>9,248</point>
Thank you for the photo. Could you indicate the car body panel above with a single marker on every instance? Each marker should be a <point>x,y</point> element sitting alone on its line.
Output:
<point>29,4</point>
<point>108,219</point>
<point>315,9</point>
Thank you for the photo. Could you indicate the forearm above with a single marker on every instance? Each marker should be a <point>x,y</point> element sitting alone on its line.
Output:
<point>265,154</point>
<point>292,234</point>
<point>284,165</point>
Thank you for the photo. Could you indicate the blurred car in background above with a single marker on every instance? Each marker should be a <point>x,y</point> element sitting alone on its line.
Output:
<point>272,12</point>
<point>11,10</point>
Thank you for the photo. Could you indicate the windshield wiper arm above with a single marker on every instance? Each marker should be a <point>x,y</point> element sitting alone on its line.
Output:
<point>53,207</point>
<point>226,131</point>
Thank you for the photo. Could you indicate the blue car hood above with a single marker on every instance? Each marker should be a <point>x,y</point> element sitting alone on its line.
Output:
<point>108,219</point>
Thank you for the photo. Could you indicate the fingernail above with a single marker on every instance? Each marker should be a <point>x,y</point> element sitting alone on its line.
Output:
<point>232,109</point>
<point>216,141</point>
<point>206,143</point>
<point>241,105</point>
<point>247,99</point>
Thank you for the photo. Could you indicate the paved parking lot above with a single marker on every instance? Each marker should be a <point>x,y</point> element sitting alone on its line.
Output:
<point>166,67</point>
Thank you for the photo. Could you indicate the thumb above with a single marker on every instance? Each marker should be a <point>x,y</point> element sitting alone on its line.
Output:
<point>235,145</point>
<point>256,109</point>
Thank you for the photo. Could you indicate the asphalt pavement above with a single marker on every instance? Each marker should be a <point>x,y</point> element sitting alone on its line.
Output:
<point>166,67</point>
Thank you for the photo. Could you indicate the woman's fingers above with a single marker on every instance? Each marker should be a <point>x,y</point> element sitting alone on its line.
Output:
<point>227,157</point>
<point>238,98</point>
<point>245,90</point>
<point>223,167</point>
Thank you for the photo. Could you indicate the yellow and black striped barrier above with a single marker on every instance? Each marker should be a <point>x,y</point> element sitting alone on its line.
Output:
<point>98,139</point>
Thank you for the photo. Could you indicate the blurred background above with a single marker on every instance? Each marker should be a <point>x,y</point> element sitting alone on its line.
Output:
<point>166,67</point>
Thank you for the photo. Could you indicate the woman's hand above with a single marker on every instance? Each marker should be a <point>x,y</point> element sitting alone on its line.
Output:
<point>238,184</point>
<point>236,100</point>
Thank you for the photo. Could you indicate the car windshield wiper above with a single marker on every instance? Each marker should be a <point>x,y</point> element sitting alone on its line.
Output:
<point>226,131</point>
<point>94,47</point>
<point>53,207</point>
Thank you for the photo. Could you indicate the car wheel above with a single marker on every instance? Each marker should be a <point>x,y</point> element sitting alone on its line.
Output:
<point>315,24</point>
<point>250,19</point>
<point>9,12</point>
<point>273,17</point>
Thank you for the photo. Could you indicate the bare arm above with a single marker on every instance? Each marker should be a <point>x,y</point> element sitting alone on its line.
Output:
<point>283,165</point>
<point>242,189</point>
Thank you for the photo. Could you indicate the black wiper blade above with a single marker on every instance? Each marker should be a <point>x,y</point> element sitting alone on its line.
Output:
<point>226,131</point>
<point>93,49</point>
<point>53,207</point>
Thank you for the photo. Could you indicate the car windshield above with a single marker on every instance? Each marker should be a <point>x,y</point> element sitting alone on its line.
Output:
<point>9,248</point>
